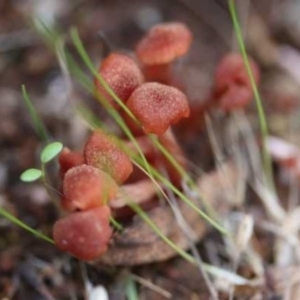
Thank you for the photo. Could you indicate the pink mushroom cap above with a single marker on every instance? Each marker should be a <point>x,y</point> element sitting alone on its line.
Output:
<point>122,75</point>
<point>164,43</point>
<point>157,106</point>
<point>84,234</point>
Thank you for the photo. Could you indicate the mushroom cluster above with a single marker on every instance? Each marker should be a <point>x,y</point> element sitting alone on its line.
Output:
<point>90,182</point>
<point>92,179</point>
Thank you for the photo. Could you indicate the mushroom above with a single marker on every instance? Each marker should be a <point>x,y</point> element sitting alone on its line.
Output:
<point>84,234</point>
<point>122,75</point>
<point>103,152</point>
<point>169,142</point>
<point>85,187</point>
<point>157,159</point>
<point>68,159</point>
<point>161,46</point>
<point>234,98</point>
<point>157,106</point>
<point>233,88</point>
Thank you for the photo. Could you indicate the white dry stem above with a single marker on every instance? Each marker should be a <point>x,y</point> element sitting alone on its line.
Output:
<point>290,253</point>
<point>255,261</point>
<point>294,193</point>
<point>268,198</point>
<point>241,225</point>
<point>78,132</point>
<point>286,281</point>
<point>244,233</point>
<point>241,239</point>
<point>286,245</point>
<point>270,201</point>
<point>230,195</point>
<point>283,151</point>
<point>219,157</point>
<point>241,125</point>
<point>151,286</point>
<point>190,235</point>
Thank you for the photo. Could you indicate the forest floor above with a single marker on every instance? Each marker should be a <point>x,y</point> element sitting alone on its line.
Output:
<point>30,268</point>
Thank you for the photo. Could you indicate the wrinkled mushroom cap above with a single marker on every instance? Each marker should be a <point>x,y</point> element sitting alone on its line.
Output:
<point>164,43</point>
<point>122,74</point>
<point>102,151</point>
<point>85,187</point>
<point>84,234</point>
<point>157,106</point>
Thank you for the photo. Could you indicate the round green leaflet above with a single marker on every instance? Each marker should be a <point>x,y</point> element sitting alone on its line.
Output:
<point>31,175</point>
<point>50,151</point>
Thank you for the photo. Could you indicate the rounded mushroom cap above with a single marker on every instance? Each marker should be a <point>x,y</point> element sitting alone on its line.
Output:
<point>85,187</point>
<point>235,97</point>
<point>157,106</point>
<point>122,74</point>
<point>164,43</point>
<point>84,234</point>
<point>231,70</point>
<point>102,151</point>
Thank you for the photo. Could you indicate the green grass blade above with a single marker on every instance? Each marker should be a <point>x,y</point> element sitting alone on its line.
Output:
<point>37,122</point>
<point>115,223</point>
<point>184,198</point>
<point>21,224</point>
<point>261,114</point>
<point>186,177</point>
<point>136,208</point>
<point>131,289</point>
<point>213,270</point>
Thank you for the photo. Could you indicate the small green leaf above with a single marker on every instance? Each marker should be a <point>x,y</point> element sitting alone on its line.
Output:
<point>50,151</point>
<point>31,175</point>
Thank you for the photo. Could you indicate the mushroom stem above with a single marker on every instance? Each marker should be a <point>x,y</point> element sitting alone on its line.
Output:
<point>158,73</point>
<point>173,167</point>
<point>158,159</point>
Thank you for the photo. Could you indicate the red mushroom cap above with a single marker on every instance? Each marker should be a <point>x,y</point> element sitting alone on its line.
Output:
<point>85,187</point>
<point>235,97</point>
<point>84,234</point>
<point>68,159</point>
<point>231,70</point>
<point>164,43</point>
<point>122,74</point>
<point>157,106</point>
<point>102,151</point>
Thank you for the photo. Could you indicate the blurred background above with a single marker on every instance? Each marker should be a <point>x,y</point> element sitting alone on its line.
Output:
<point>29,269</point>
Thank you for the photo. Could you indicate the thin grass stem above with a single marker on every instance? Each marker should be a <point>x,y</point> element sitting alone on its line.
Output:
<point>23,225</point>
<point>37,122</point>
<point>261,114</point>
